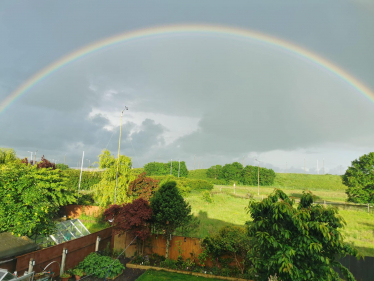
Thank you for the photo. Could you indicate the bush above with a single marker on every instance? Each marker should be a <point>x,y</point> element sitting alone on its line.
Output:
<point>207,196</point>
<point>62,167</point>
<point>143,187</point>
<point>186,185</point>
<point>88,179</point>
<point>98,266</point>
<point>7,155</point>
<point>301,243</point>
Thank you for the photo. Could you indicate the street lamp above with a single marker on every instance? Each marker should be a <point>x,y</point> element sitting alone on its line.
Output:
<point>30,157</point>
<point>119,147</point>
<point>35,157</point>
<point>258,177</point>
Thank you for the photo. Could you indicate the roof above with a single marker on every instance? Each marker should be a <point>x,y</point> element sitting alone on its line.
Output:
<point>12,246</point>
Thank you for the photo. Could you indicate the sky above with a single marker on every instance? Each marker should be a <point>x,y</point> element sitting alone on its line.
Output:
<point>202,98</point>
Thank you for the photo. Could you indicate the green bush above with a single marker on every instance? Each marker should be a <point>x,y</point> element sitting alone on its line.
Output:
<point>98,266</point>
<point>186,185</point>
<point>62,167</point>
<point>163,169</point>
<point>207,196</point>
<point>88,179</point>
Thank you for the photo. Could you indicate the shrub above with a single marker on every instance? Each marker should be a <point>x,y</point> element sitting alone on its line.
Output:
<point>232,241</point>
<point>88,180</point>
<point>62,167</point>
<point>44,163</point>
<point>207,196</point>
<point>132,217</point>
<point>186,185</point>
<point>7,155</point>
<point>143,187</point>
<point>298,244</point>
<point>98,266</point>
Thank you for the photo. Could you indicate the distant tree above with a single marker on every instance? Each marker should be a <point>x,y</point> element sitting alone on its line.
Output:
<point>170,211</point>
<point>301,243</point>
<point>359,178</point>
<point>163,169</point>
<point>7,155</point>
<point>30,198</point>
<point>44,163</point>
<point>214,172</point>
<point>133,218</point>
<point>143,187</point>
<point>106,160</point>
<point>62,167</point>
<point>232,172</point>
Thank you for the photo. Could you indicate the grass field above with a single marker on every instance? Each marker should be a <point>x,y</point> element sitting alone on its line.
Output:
<point>154,275</point>
<point>227,209</point>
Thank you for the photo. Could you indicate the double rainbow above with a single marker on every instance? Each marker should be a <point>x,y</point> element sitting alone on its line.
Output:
<point>180,29</point>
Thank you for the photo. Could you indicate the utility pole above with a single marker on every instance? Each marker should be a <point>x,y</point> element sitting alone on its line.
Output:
<point>243,161</point>
<point>119,148</point>
<point>258,177</point>
<point>80,177</point>
<point>30,157</point>
<point>35,157</point>
<point>89,162</point>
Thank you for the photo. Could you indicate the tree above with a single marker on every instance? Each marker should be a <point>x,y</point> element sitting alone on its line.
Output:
<point>62,167</point>
<point>170,211</point>
<point>163,169</point>
<point>214,172</point>
<point>30,198</point>
<point>7,155</point>
<point>296,244</point>
<point>133,218</point>
<point>44,163</point>
<point>143,187</point>
<point>105,189</point>
<point>232,172</point>
<point>359,178</point>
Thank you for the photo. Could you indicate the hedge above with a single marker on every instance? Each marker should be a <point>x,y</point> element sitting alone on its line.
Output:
<point>164,169</point>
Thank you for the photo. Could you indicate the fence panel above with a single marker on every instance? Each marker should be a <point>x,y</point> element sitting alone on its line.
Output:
<point>75,211</point>
<point>78,249</point>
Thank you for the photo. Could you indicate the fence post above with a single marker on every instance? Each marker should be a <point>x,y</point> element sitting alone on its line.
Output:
<point>97,243</point>
<point>368,208</point>
<point>62,268</point>
<point>31,265</point>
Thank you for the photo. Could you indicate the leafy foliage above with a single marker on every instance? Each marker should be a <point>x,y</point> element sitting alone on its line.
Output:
<point>44,163</point>
<point>143,187</point>
<point>207,196</point>
<point>88,180</point>
<point>163,169</point>
<point>132,217</point>
<point>62,167</point>
<point>186,185</point>
<point>170,211</point>
<point>105,189</point>
<point>359,178</point>
<point>30,197</point>
<point>235,172</point>
<point>297,244</point>
<point>7,155</point>
<point>232,241</point>
<point>98,266</point>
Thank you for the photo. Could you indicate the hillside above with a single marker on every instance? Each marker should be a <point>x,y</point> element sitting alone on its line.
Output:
<point>300,181</point>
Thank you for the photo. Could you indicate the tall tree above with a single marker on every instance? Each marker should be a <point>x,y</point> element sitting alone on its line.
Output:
<point>170,211</point>
<point>301,243</point>
<point>359,178</point>
<point>7,155</point>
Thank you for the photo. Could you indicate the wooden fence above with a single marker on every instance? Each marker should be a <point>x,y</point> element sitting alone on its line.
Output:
<point>78,249</point>
<point>75,211</point>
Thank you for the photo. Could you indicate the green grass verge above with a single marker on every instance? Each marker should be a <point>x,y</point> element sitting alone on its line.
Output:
<point>227,209</point>
<point>155,275</point>
<point>93,224</point>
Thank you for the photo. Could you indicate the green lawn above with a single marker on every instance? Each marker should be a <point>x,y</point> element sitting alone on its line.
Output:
<point>93,224</point>
<point>227,209</point>
<point>154,275</point>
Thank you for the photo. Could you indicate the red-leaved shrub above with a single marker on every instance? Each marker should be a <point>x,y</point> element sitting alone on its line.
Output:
<point>143,187</point>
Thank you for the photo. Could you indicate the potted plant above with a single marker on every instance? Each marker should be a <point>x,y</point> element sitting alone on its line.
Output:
<point>65,276</point>
<point>78,273</point>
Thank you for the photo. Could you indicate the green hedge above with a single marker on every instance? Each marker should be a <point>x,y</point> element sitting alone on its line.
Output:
<point>186,185</point>
<point>88,179</point>
<point>163,169</point>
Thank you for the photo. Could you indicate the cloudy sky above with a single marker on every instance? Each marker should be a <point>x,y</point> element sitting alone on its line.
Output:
<point>214,97</point>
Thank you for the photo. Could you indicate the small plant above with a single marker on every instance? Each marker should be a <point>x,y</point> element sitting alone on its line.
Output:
<point>137,259</point>
<point>78,272</point>
<point>98,266</point>
<point>168,263</point>
<point>207,196</point>
<point>273,278</point>
<point>65,275</point>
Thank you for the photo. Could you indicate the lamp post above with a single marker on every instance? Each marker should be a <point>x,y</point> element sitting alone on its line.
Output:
<point>258,177</point>
<point>35,157</point>
<point>89,162</point>
<point>119,148</point>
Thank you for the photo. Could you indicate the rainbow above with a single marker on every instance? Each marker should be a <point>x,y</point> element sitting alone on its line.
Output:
<point>183,29</point>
